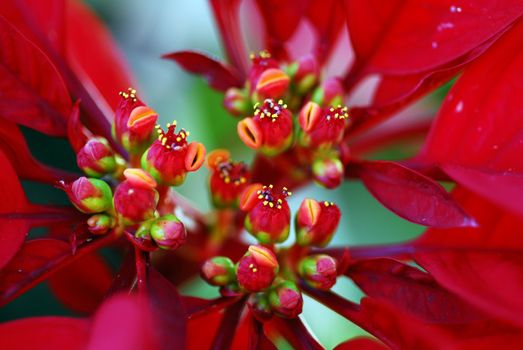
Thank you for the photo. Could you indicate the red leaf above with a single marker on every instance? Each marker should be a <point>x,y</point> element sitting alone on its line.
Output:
<point>411,195</point>
<point>361,343</point>
<point>203,339</point>
<point>123,323</point>
<point>77,134</point>
<point>37,260</point>
<point>33,93</point>
<point>296,333</point>
<point>504,188</point>
<point>411,290</point>
<point>44,333</point>
<point>94,57</point>
<point>479,124</point>
<point>218,75</point>
<point>82,285</point>
<point>489,280</point>
<point>409,36</point>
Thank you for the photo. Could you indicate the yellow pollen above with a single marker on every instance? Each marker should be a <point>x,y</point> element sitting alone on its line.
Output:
<point>265,202</point>
<point>271,204</point>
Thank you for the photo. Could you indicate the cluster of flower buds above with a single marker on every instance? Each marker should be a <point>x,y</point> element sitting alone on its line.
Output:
<point>228,179</point>
<point>272,284</point>
<point>165,156</point>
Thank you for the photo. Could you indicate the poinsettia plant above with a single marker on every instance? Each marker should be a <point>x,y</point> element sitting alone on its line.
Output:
<point>456,286</point>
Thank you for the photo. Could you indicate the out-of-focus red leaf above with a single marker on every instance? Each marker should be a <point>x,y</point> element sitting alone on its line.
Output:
<point>218,75</point>
<point>168,313</point>
<point>257,340</point>
<point>489,280</point>
<point>44,333</point>
<point>327,17</point>
<point>33,92</point>
<point>281,18</point>
<point>411,290</point>
<point>502,187</point>
<point>209,323</point>
<point>12,142</point>
<point>196,307</point>
<point>82,285</point>
<point>412,195</point>
<point>226,14</point>
<point>37,260</point>
<point>228,328</point>
<point>77,134</point>
<point>296,333</point>
<point>103,74</point>
<point>361,343</point>
<point>408,36</point>
<point>479,124</point>
<point>123,323</point>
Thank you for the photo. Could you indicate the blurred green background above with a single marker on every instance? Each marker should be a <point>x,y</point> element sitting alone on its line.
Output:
<point>144,31</point>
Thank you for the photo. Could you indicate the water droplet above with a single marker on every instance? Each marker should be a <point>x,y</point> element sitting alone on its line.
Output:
<point>455,9</point>
<point>495,146</point>
<point>434,44</point>
<point>19,270</point>
<point>445,25</point>
<point>459,107</point>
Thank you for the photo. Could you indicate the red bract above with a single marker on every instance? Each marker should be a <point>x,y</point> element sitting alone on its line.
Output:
<point>465,294</point>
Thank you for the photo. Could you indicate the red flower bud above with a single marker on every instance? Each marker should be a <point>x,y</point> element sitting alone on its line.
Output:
<point>218,271</point>
<point>96,158</point>
<point>304,73</point>
<point>170,157</point>
<point>236,102</point>
<point>89,195</point>
<point>168,232</point>
<point>328,172</point>
<point>322,127</point>
<point>257,269</point>
<point>135,199</point>
<point>260,63</point>
<point>286,300</point>
<point>318,271</point>
<point>258,304</point>
<point>272,83</point>
<point>100,224</point>
<point>270,130</point>
<point>329,93</point>
<point>316,222</point>
<point>228,179</point>
<point>268,214</point>
<point>133,123</point>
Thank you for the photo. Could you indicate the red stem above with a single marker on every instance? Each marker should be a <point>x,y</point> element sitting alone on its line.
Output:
<point>142,260</point>
<point>225,334</point>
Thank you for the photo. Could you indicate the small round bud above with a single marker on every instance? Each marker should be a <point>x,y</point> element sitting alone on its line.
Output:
<point>268,214</point>
<point>272,83</point>
<point>286,299</point>
<point>168,232</point>
<point>257,269</point>
<point>328,172</point>
<point>322,127</point>
<point>218,271</point>
<point>100,224</point>
<point>304,73</point>
<point>236,102</point>
<point>96,158</point>
<point>316,222</point>
<point>258,304</point>
<point>89,195</point>
<point>135,199</point>
<point>318,271</point>
<point>329,93</point>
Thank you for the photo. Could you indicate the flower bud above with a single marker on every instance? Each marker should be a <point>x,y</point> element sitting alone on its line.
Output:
<point>260,63</point>
<point>272,83</point>
<point>168,232</point>
<point>270,130</point>
<point>304,73</point>
<point>96,158</point>
<point>322,127</point>
<point>257,269</point>
<point>135,199</point>
<point>228,179</point>
<point>89,195</point>
<point>218,271</point>
<point>268,214</point>
<point>318,271</point>
<point>286,300</point>
<point>328,172</point>
<point>316,222</point>
<point>329,93</point>
<point>258,304</point>
<point>100,224</point>
<point>236,102</point>
<point>170,157</point>
<point>134,123</point>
